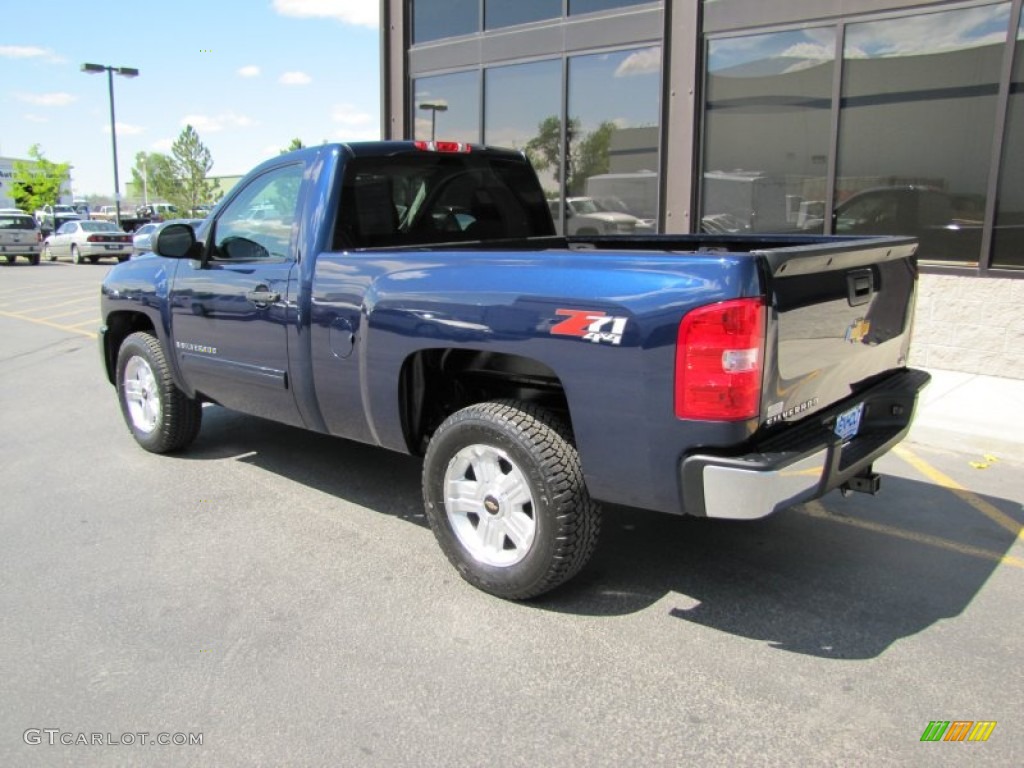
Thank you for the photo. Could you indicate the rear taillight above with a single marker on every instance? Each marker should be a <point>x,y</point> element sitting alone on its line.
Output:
<point>719,361</point>
<point>94,239</point>
<point>443,146</point>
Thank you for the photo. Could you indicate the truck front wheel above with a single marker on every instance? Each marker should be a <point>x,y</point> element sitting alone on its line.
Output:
<point>505,498</point>
<point>158,414</point>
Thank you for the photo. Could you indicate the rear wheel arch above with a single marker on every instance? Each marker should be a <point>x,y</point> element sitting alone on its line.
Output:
<point>435,383</point>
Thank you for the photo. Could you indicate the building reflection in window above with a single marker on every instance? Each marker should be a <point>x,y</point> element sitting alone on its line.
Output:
<point>448,106</point>
<point>610,156</point>
<point>916,120</point>
<point>767,122</point>
<point>1008,235</point>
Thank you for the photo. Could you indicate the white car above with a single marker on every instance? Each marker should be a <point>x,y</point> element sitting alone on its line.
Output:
<point>92,240</point>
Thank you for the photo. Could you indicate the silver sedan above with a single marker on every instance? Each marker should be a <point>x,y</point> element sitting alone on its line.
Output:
<point>92,240</point>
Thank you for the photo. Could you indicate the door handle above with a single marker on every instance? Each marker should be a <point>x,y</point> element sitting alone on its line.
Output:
<point>261,297</point>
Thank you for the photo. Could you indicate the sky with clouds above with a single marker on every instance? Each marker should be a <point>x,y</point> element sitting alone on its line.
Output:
<point>249,77</point>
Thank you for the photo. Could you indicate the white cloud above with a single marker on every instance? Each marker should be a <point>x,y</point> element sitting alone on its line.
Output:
<point>28,52</point>
<point>47,99</point>
<point>348,115</point>
<point>295,78</point>
<point>810,51</point>
<point>162,145</point>
<point>362,13</point>
<point>250,71</point>
<point>216,123</point>
<point>645,62</point>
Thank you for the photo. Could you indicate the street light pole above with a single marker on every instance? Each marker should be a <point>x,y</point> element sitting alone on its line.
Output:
<point>434,107</point>
<point>93,69</point>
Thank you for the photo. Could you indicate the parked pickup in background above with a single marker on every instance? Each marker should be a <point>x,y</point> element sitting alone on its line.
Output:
<point>50,217</point>
<point>415,296</point>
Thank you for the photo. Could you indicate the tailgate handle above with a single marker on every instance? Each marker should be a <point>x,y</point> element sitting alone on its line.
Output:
<point>860,285</point>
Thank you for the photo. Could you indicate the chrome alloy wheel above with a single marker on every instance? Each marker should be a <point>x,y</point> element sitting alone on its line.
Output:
<point>141,395</point>
<point>490,505</point>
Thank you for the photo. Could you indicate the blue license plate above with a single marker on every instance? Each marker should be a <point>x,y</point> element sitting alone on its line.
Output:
<point>848,423</point>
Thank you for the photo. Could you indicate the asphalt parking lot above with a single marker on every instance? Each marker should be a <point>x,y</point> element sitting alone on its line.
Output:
<point>279,594</point>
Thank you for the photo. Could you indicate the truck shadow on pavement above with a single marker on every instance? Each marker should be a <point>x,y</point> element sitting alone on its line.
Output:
<point>842,580</point>
<point>845,584</point>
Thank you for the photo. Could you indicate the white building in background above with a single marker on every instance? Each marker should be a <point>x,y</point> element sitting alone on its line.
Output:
<point>7,182</point>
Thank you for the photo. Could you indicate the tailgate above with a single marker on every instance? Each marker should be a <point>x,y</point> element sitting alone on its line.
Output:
<point>841,320</point>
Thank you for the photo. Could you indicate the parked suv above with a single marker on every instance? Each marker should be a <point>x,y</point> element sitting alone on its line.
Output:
<point>19,236</point>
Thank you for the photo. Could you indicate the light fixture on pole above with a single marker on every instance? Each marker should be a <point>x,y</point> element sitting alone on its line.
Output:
<point>95,69</point>
<point>434,107</point>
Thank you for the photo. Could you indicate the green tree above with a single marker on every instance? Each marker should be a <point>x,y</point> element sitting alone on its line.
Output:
<point>35,184</point>
<point>192,162</point>
<point>296,144</point>
<point>590,157</point>
<point>586,154</point>
<point>156,175</point>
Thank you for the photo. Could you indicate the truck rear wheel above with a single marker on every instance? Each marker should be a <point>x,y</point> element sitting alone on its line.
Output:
<point>505,498</point>
<point>158,414</point>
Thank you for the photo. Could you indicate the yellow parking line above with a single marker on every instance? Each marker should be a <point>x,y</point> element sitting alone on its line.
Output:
<point>59,327</point>
<point>816,510</point>
<point>79,300</point>
<point>41,296</point>
<point>994,514</point>
<point>78,311</point>
<point>93,321</point>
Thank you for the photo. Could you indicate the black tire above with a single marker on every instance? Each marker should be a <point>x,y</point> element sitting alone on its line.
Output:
<point>76,257</point>
<point>531,445</point>
<point>158,414</point>
<point>34,259</point>
<point>94,259</point>
<point>10,258</point>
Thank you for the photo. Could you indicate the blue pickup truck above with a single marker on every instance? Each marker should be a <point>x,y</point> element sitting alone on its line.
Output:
<point>415,296</point>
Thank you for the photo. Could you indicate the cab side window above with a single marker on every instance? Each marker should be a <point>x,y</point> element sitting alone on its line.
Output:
<point>260,222</point>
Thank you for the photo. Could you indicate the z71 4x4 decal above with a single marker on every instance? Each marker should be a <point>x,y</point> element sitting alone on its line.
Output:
<point>591,325</point>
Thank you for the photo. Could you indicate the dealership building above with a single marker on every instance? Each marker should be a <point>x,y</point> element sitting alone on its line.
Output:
<point>831,116</point>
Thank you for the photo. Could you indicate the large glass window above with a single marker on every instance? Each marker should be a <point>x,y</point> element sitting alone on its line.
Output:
<point>610,156</point>
<point>437,19</point>
<point>505,13</point>
<point>916,122</point>
<point>589,6</point>
<point>1008,236</point>
<point>522,104</point>
<point>447,107</point>
<point>767,122</point>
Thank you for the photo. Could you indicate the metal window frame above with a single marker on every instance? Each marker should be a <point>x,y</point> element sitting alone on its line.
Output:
<point>842,15</point>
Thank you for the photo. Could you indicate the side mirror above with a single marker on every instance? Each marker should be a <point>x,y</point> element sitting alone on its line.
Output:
<point>175,241</point>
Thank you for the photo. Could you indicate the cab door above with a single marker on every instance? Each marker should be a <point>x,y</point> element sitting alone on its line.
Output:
<point>231,312</point>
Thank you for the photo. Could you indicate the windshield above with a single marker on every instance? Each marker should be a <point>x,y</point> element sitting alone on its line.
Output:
<point>583,205</point>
